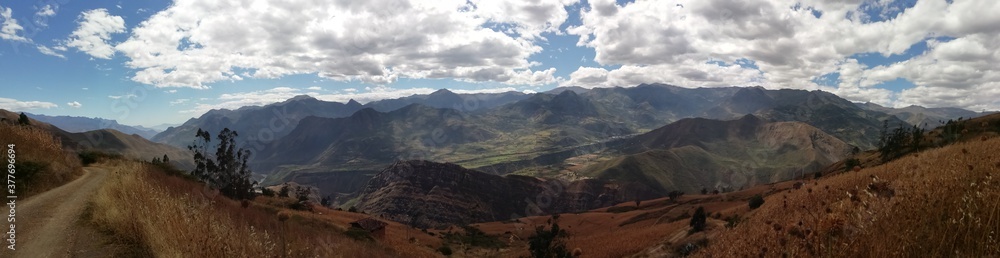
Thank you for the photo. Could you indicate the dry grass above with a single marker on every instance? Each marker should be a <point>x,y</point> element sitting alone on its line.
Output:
<point>937,203</point>
<point>33,145</point>
<point>168,216</point>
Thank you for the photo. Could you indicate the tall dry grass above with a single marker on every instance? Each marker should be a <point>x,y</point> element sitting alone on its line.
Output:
<point>937,203</point>
<point>169,216</point>
<point>34,145</point>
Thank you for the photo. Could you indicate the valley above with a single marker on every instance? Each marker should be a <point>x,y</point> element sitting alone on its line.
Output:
<point>500,128</point>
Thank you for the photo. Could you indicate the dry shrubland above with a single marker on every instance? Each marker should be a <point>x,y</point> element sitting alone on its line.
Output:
<point>42,162</point>
<point>937,203</point>
<point>169,216</point>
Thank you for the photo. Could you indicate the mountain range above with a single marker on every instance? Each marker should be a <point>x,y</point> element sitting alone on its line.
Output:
<point>75,124</point>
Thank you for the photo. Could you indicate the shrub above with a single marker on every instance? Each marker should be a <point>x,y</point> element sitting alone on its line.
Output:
<point>698,220</point>
<point>849,164</point>
<point>445,250</point>
<point>732,221</point>
<point>756,201</point>
<point>675,194</point>
<point>267,192</point>
<point>548,243</point>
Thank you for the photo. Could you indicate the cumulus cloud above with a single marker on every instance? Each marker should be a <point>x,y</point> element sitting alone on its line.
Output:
<point>793,42</point>
<point>194,43</point>
<point>46,11</point>
<point>74,104</point>
<point>13,104</point>
<point>94,31</point>
<point>9,28</point>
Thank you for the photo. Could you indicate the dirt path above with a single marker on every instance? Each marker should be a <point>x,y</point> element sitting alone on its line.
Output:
<point>48,224</point>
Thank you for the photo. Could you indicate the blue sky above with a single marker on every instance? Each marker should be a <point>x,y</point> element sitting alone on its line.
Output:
<point>154,62</point>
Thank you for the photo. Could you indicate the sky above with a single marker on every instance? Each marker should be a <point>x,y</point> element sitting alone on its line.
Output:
<point>155,62</point>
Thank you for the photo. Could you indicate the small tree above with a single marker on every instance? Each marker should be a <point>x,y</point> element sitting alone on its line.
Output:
<point>698,220</point>
<point>165,159</point>
<point>283,192</point>
<point>849,164</point>
<point>23,119</point>
<point>548,243</point>
<point>756,201</point>
<point>704,191</point>
<point>226,169</point>
<point>674,194</point>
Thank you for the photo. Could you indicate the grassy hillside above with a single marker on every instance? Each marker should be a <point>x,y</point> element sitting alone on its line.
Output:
<point>937,203</point>
<point>40,160</point>
<point>169,216</point>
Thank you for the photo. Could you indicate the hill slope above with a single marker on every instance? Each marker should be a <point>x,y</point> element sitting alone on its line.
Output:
<point>938,203</point>
<point>429,194</point>
<point>697,153</point>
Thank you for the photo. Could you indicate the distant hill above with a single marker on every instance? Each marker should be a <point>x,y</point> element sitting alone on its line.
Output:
<point>927,118</point>
<point>697,153</point>
<point>257,125</point>
<point>131,146</point>
<point>76,124</point>
<point>371,139</point>
<point>430,194</point>
<point>111,141</point>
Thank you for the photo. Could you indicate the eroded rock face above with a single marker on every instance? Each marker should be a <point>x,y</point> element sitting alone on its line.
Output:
<point>429,194</point>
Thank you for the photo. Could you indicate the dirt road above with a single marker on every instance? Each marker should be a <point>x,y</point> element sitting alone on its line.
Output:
<point>48,224</point>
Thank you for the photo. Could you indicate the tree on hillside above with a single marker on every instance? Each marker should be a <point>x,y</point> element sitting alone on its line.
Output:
<point>165,160</point>
<point>548,243</point>
<point>226,169</point>
<point>23,119</point>
<point>698,220</point>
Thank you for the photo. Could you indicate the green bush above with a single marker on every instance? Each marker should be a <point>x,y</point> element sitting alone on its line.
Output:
<point>756,201</point>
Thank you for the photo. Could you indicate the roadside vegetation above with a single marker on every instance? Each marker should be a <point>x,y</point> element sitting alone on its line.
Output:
<point>41,163</point>
<point>164,215</point>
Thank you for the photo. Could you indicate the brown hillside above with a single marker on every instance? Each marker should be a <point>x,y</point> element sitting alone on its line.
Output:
<point>937,203</point>
<point>692,154</point>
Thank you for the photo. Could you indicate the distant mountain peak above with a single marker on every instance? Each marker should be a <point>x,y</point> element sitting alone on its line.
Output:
<point>301,97</point>
<point>353,102</point>
<point>442,92</point>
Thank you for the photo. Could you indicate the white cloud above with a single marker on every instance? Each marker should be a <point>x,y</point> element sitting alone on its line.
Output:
<point>96,27</point>
<point>9,27</point>
<point>74,104</point>
<point>194,43</point>
<point>46,11</point>
<point>179,101</point>
<point>13,104</point>
<point>85,88</point>
<point>315,88</point>
<point>126,96</point>
<point>679,42</point>
<point>48,51</point>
